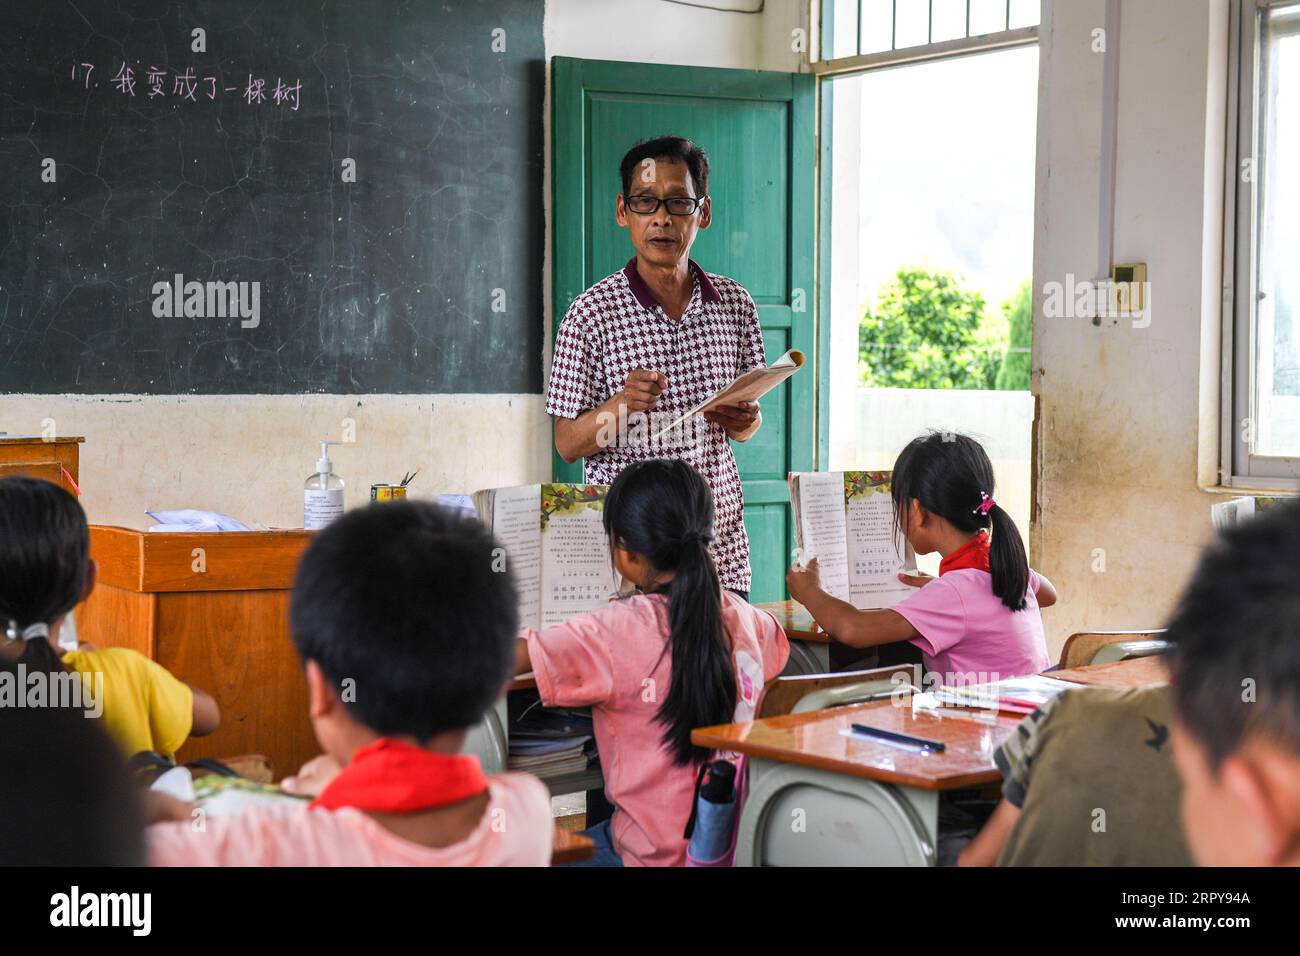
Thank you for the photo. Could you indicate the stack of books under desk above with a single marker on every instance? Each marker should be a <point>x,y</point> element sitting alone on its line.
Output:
<point>555,744</point>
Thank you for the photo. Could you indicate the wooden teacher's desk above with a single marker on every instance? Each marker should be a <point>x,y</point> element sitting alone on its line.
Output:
<point>212,608</point>
<point>819,797</point>
<point>53,459</point>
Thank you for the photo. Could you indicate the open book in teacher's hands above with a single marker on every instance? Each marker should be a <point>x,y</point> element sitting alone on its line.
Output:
<point>747,387</point>
<point>845,519</point>
<point>554,540</point>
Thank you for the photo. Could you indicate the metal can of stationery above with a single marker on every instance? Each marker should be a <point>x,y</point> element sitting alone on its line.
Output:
<point>385,493</point>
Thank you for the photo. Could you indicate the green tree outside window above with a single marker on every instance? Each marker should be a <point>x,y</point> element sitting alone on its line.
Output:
<point>927,331</point>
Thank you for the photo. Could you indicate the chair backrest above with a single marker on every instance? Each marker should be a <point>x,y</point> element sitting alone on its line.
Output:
<point>1131,650</point>
<point>804,692</point>
<point>1082,648</point>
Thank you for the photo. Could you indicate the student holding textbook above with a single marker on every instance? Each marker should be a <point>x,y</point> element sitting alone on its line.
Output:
<point>679,653</point>
<point>979,620</point>
<point>653,341</point>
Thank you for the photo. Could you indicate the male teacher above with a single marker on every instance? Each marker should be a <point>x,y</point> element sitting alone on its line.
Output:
<point>654,340</point>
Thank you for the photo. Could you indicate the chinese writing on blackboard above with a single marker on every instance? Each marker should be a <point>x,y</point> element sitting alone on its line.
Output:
<point>188,85</point>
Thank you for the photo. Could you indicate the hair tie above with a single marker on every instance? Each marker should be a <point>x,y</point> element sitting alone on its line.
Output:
<point>30,632</point>
<point>693,537</point>
<point>986,504</point>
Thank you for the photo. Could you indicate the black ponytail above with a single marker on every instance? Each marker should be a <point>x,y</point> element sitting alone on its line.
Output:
<point>1007,560</point>
<point>950,475</point>
<point>663,510</point>
<point>44,552</point>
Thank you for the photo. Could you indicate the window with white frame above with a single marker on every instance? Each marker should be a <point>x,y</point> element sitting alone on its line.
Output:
<point>1261,420</point>
<point>926,249</point>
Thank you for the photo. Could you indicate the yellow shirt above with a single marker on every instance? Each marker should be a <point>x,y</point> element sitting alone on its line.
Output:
<point>145,707</point>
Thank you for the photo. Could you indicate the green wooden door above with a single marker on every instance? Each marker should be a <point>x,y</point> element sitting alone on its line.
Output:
<point>758,129</point>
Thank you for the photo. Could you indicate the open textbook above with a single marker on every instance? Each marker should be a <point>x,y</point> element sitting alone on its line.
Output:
<point>845,519</point>
<point>555,545</point>
<point>1233,511</point>
<point>748,387</point>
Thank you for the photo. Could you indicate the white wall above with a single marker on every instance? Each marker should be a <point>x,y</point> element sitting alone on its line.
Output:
<point>656,31</point>
<point>1126,413</point>
<point>248,455</point>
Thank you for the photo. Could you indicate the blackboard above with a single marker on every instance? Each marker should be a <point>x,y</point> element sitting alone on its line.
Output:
<point>230,165</point>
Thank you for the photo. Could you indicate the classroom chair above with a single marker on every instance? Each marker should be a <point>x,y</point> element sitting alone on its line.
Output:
<point>1103,647</point>
<point>799,694</point>
<point>806,659</point>
<point>487,739</point>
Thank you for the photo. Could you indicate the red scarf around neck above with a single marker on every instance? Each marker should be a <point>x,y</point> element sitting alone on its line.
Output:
<point>389,776</point>
<point>973,554</point>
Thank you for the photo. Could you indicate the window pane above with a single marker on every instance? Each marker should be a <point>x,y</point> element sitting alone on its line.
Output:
<point>987,16</point>
<point>912,27</point>
<point>844,29</point>
<point>1277,314</point>
<point>949,20</point>
<point>931,257</point>
<point>1025,13</point>
<point>877,22</point>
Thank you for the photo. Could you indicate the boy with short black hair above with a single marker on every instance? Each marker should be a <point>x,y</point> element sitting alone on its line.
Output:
<point>407,631</point>
<point>1236,676</point>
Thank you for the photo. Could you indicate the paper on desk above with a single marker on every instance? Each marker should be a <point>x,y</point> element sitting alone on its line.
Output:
<point>749,387</point>
<point>221,796</point>
<point>190,519</point>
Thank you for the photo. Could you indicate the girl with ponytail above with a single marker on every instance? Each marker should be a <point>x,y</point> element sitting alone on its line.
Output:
<point>979,620</point>
<point>680,653</point>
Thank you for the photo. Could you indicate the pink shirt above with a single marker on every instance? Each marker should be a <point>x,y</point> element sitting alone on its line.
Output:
<point>617,660</point>
<point>516,830</point>
<point>968,636</point>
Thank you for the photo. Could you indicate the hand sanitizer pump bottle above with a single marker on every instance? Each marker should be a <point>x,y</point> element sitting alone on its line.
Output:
<point>322,496</point>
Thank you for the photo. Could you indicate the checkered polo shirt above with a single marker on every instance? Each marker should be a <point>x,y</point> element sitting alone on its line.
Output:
<point>617,326</point>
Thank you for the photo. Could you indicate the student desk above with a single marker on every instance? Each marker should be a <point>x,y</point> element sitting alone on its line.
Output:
<point>1121,675</point>
<point>819,798</point>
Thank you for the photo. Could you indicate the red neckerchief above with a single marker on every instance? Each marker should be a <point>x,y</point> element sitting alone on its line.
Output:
<point>389,776</point>
<point>973,554</point>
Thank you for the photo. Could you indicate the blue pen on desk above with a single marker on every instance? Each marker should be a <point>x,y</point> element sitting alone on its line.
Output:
<point>900,740</point>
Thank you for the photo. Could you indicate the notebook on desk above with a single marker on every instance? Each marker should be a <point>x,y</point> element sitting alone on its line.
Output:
<point>1015,695</point>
